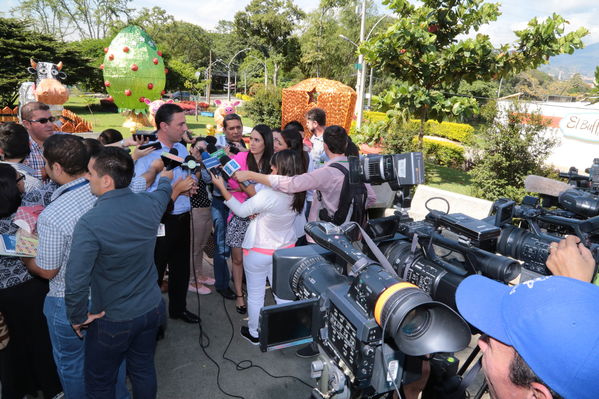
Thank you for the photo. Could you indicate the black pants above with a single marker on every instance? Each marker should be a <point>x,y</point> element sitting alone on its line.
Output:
<point>26,364</point>
<point>173,250</point>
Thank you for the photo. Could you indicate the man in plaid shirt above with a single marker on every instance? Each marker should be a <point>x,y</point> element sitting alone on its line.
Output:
<point>39,122</point>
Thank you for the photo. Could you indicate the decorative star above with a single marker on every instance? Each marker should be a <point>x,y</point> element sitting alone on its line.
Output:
<point>313,96</point>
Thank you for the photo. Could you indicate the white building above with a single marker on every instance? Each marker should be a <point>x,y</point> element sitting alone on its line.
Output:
<point>576,125</point>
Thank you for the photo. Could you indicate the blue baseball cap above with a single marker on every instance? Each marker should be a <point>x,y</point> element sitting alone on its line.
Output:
<point>553,323</point>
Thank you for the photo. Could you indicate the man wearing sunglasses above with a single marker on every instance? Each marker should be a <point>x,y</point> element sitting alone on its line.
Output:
<point>39,122</point>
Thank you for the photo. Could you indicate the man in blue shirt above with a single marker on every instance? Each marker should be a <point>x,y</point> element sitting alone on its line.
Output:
<point>173,248</point>
<point>112,252</point>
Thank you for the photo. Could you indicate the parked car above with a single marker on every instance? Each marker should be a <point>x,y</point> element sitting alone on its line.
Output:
<point>182,95</point>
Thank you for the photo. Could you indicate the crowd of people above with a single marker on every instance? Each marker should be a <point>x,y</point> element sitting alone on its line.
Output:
<point>85,312</point>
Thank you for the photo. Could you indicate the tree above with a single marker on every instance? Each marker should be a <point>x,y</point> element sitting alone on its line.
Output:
<point>18,45</point>
<point>267,25</point>
<point>511,147</point>
<point>431,48</point>
<point>86,19</point>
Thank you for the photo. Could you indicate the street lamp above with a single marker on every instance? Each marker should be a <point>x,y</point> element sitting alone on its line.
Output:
<point>265,68</point>
<point>361,72</point>
<point>229,72</point>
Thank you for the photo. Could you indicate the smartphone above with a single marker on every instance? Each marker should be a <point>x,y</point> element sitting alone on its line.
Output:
<point>157,146</point>
<point>149,136</point>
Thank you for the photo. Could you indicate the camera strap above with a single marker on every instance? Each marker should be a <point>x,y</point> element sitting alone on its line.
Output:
<point>377,252</point>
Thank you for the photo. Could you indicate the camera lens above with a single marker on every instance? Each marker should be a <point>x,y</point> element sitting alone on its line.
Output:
<point>415,323</point>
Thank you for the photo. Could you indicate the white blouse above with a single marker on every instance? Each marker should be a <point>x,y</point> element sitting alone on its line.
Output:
<point>273,226</point>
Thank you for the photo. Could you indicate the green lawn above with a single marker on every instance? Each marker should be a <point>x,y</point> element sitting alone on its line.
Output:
<point>449,179</point>
<point>103,120</point>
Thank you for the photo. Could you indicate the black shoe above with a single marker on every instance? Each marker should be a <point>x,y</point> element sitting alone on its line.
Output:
<point>241,309</point>
<point>245,333</point>
<point>307,351</point>
<point>227,293</point>
<point>187,317</point>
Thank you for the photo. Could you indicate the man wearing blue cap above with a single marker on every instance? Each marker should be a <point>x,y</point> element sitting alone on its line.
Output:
<point>541,338</point>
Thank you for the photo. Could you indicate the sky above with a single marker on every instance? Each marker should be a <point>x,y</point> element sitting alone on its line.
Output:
<point>516,13</point>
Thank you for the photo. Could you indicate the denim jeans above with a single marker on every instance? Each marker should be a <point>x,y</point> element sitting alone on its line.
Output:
<point>108,343</point>
<point>69,352</point>
<point>219,219</point>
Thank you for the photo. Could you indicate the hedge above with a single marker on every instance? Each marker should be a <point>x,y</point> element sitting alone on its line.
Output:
<point>459,132</point>
<point>442,152</point>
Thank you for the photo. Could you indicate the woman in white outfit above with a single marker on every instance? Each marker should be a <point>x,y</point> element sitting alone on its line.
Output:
<point>271,228</point>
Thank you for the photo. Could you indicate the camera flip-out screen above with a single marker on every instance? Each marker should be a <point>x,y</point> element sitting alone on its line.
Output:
<point>290,324</point>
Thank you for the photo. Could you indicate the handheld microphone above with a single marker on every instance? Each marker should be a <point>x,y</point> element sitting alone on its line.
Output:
<point>230,166</point>
<point>171,159</point>
<point>213,166</point>
<point>190,163</point>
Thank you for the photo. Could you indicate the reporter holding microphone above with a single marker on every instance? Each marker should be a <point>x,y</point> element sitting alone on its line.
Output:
<point>270,229</point>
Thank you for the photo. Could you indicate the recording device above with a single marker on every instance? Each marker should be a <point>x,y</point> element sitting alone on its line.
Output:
<point>145,136</point>
<point>210,143</point>
<point>531,244</point>
<point>399,170</point>
<point>366,324</point>
<point>230,166</point>
<point>191,164</point>
<point>156,145</point>
<point>588,182</point>
<point>581,202</point>
<point>172,160</point>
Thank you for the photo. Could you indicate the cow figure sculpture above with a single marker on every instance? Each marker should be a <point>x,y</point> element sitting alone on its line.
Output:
<point>48,88</point>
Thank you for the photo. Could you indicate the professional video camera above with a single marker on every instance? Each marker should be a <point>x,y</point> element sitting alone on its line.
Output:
<point>588,182</point>
<point>531,244</point>
<point>401,171</point>
<point>367,324</point>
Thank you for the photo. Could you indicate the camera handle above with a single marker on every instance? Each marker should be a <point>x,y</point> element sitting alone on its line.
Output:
<point>358,266</point>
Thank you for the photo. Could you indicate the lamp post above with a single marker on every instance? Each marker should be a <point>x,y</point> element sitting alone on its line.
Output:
<point>229,72</point>
<point>209,76</point>
<point>361,72</point>
<point>265,68</point>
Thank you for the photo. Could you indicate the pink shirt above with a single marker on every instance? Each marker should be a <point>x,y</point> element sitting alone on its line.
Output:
<point>242,159</point>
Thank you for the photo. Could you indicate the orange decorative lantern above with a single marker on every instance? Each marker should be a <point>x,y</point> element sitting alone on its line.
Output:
<point>335,98</point>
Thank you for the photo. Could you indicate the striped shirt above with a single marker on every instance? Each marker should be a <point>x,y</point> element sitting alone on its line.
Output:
<point>35,160</point>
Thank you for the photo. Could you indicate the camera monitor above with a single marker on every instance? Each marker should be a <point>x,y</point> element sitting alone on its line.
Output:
<point>289,324</point>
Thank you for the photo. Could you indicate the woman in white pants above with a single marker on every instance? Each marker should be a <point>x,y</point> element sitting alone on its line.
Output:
<point>271,228</point>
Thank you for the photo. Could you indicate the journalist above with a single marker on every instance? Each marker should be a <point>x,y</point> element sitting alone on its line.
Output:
<point>540,338</point>
<point>112,252</point>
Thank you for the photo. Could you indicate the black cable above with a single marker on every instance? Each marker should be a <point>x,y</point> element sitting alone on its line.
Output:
<point>247,364</point>
<point>439,198</point>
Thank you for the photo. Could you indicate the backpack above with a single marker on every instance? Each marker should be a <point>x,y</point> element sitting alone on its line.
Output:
<point>352,199</point>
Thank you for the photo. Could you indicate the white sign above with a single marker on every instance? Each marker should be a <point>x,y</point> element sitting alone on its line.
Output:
<point>581,126</point>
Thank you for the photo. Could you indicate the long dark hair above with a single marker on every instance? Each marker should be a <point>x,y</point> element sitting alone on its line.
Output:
<point>287,165</point>
<point>10,196</point>
<point>294,142</point>
<point>264,167</point>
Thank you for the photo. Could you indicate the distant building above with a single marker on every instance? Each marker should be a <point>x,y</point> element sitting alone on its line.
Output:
<point>575,124</point>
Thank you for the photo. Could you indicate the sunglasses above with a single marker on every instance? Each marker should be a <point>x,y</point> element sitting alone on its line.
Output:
<point>20,177</point>
<point>43,121</point>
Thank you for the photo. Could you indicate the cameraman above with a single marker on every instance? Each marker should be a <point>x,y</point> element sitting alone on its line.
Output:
<point>540,338</point>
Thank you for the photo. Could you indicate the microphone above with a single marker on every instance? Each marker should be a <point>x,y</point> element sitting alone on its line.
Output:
<point>545,186</point>
<point>171,159</point>
<point>190,163</point>
<point>213,166</point>
<point>230,166</point>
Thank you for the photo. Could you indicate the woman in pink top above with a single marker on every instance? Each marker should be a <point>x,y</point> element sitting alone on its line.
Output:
<point>270,229</point>
<point>257,160</point>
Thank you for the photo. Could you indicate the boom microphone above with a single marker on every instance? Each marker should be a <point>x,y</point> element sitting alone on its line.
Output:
<point>545,186</point>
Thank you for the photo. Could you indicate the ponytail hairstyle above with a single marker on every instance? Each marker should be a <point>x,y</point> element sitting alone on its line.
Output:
<point>287,164</point>
<point>295,143</point>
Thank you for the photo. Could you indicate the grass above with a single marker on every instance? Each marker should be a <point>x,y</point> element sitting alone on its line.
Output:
<point>449,179</point>
<point>101,119</point>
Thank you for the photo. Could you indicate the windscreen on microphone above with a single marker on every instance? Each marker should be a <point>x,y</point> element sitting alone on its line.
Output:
<point>545,186</point>
<point>171,160</point>
<point>210,140</point>
<point>224,160</point>
<point>174,151</point>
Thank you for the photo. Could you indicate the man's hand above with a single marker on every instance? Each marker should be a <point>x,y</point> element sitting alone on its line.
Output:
<point>137,153</point>
<point>169,174</point>
<point>183,186</point>
<point>90,317</point>
<point>570,258</point>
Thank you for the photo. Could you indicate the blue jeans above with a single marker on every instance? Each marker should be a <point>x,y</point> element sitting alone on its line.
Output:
<point>219,219</point>
<point>69,352</point>
<point>109,343</point>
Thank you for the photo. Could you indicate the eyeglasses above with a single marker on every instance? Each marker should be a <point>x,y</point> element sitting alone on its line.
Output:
<point>20,177</point>
<point>43,121</point>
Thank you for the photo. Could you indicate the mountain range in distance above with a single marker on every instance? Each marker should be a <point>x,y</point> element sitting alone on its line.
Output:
<point>582,61</point>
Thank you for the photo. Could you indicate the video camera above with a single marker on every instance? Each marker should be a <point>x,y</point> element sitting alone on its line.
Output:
<point>368,324</point>
<point>584,182</point>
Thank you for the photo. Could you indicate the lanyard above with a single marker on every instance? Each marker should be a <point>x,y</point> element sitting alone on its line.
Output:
<point>73,187</point>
